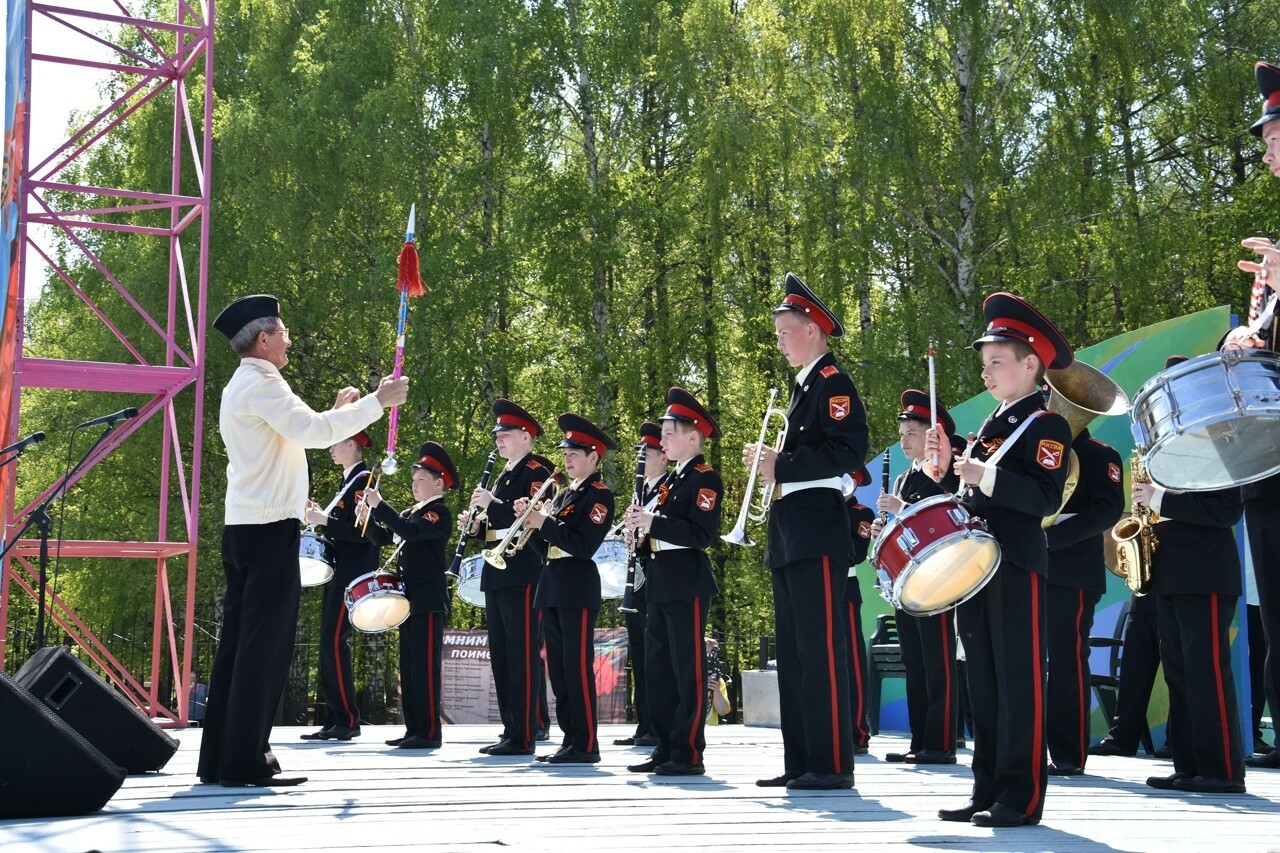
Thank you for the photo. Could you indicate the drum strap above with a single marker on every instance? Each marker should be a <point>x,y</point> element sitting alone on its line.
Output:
<point>994,459</point>
<point>342,491</point>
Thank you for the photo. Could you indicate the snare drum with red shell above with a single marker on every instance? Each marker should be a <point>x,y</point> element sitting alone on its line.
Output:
<point>934,556</point>
<point>376,602</point>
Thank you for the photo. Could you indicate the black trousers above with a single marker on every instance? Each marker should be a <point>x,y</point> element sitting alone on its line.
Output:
<point>636,651</point>
<point>1204,718</point>
<point>857,659</point>
<point>421,654</point>
<point>515,657</point>
<point>813,666</point>
<point>1262,521</point>
<point>1070,622</point>
<point>1138,668</point>
<point>677,663</point>
<point>259,621</point>
<point>571,656</point>
<point>1003,631</point>
<point>336,678</point>
<point>928,646</point>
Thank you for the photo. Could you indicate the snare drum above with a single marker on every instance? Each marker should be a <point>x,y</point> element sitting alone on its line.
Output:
<point>315,559</point>
<point>469,580</point>
<point>934,556</point>
<point>1211,422</point>
<point>611,561</point>
<point>376,602</point>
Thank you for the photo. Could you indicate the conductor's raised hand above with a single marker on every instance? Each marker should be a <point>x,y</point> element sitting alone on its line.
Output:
<point>392,392</point>
<point>346,397</point>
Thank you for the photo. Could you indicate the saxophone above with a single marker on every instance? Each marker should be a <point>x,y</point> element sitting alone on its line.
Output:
<point>1135,537</point>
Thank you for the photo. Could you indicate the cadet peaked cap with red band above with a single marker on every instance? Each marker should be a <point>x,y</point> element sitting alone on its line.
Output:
<point>1174,360</point>
<point>683,406</point>
<point>650,435</point>
<point>432,457</point>
<point>244,311</point>
<point>583,434</point>
<point>915,407</point>
<point>362,438</point>
<point>511,416</point>
<point>802,300</point>
<point>1010,318</point>
<point>1268,77</point>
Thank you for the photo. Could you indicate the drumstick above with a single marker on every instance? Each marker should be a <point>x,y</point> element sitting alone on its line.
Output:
<point>372,484</point>
<point>933,405</point>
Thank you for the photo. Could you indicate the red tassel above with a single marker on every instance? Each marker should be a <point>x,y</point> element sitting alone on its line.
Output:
<point>410,277</point>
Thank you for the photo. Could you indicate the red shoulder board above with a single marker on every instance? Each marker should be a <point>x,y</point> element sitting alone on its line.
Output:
<point>703,468</point>
<point>599,485</point>
<point>533,463</point>
<point>829,371</point>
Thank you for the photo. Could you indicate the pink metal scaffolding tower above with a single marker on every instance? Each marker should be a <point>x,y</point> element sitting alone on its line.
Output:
<point>153,59</point>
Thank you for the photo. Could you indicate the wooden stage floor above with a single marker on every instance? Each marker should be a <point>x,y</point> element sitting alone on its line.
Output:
<point>363,796</point>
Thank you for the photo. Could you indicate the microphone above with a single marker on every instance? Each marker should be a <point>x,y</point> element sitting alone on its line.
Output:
<point>34,438</point>
<point>111,419</point>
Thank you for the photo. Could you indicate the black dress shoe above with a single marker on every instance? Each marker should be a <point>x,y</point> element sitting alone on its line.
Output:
<point>1165,751</point>
<point>1209,785</point>
<point>900,756</point>
<point>1000,816</point>
<point>543,735</point>
<point>821,782</point>
<point>339,733</point>
<point>679,768</point>
<point>265,782</point>
<point>647,740</point>
<point>574,756</point>
<point>396,741</point>
<point>1065,770</point>
<point>548,756</point>
<point>932,756</point>
<point>419,742</point>
<point>963,815</point>
<point>1108,746</point>
<point>484,750</point>
<point>1269,760</point>
<point>1166,783</point>
<point>862,750</point>
<point>644,766</point>
<point>508,747</point>
<point>208,780</point>
<point>323,734</point>
<point>776,781</point>
<point>624,741</point>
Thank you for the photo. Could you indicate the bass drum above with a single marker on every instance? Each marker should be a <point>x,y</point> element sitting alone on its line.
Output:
<point>315,559</point>
<point>376,602</point>
<point>1211,422</point>
<point>611,561</point>
<point>934,556</point>
<point>469,573</point>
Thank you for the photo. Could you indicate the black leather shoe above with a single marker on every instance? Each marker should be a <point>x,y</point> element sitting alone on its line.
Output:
<point>549,755</point>
<point>624,741</point>
<point>1165,751</point>
<point>900,756</point>
<point>484,750</point>
<point>821,782</point>
<point>647,740</point>
<point>396,741</point>
<point>963,815</point>
<point>1065,770</point>
<point>1166,783</point>
<point>862,750</point>
<point>775,782</point>
<point>543,735</point>
<point>643,767</point>
<point>265,782</point>
<point>679,768</point>
<point>339,733</point>
<point>208,780</point>
<point>574,756</point>
<point>1270,760</point>
<point>932,756</point>
<point>419,742</point>
<point>323,734</point>
<point>508,747</point>
<point>1108,746</point>
<point>1001,816</point>
<point>1209,785</point>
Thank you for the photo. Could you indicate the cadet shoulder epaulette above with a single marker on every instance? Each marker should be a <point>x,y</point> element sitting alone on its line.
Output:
<point>702,468</point>
<point>829,371</point>
<point>533,463</point>
<point>599,484</point>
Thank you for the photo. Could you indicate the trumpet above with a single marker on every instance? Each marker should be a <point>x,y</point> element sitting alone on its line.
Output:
<point>738,535</point>
<point>517,536</point>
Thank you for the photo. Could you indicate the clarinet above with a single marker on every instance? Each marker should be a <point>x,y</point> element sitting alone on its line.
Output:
<point>884,480</point>
<point>633,565</point>
<point>456,565</point>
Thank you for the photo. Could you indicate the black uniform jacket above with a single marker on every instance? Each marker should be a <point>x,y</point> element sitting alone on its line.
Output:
<point>354,554</point>
<point>914,485</point>
<point>425,532</point>
<point>579,524</point>
<point>1030,480</point>
<point>1196,548</point>
<point>826,437</point>
<point>860,519</point>
<point>524,478</point>
<point>1075,544</point>
<point>688,514</point>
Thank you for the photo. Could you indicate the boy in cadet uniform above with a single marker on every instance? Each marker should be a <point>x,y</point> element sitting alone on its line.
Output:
<point>860,520</point>
<point>1014,476</point>
<point>515,641</point>
<point>680,585</point>
<point>422,531</point>
<point>573,526</point>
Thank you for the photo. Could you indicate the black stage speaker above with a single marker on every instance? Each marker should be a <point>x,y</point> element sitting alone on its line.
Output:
<point>46,768</point>
<point>92,707</point>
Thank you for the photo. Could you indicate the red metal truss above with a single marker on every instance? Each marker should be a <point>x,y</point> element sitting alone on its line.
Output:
<point>152,59</point>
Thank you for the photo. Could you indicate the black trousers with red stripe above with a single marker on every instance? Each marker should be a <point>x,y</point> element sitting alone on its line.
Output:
<point>676,666</point>
<point>571,658</point>
<point>928,646</point>
<point>515,658</point>
<point>1204,717</point>
<point>857,658</point>
<point>1003,632</point>
<point>421,653</point>
<point>1070,622</point>
<point>637,625</point>
<point>813,667</point>
<point>1140,664</point>
<point>335,652</point>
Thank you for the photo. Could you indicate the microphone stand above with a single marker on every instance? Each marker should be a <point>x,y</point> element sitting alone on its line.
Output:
<point>39,517</point>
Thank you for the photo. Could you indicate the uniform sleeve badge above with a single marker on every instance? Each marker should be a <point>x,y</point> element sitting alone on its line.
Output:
<point>864,529</point>
<point>1113,471</point>
<point>829,371</point>
<point>599,514</point>
<point>706,499</point>
<point>1049,454</point>
<point>839,407</point>
<point>431,516</point>
<point>533,489</point>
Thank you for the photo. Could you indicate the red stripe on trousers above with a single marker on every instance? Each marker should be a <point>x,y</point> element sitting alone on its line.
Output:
<point>587,670</point>
<point>432,702</point>
<point>337,669</point>
<point>831,665</point>
<point>855,714</point>
<point>1223,722</point>
<point>526,617</point>
<point>700,676</point>
<point>948,728</point>
<point>1037,665</point>
<point>1082,685</point>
